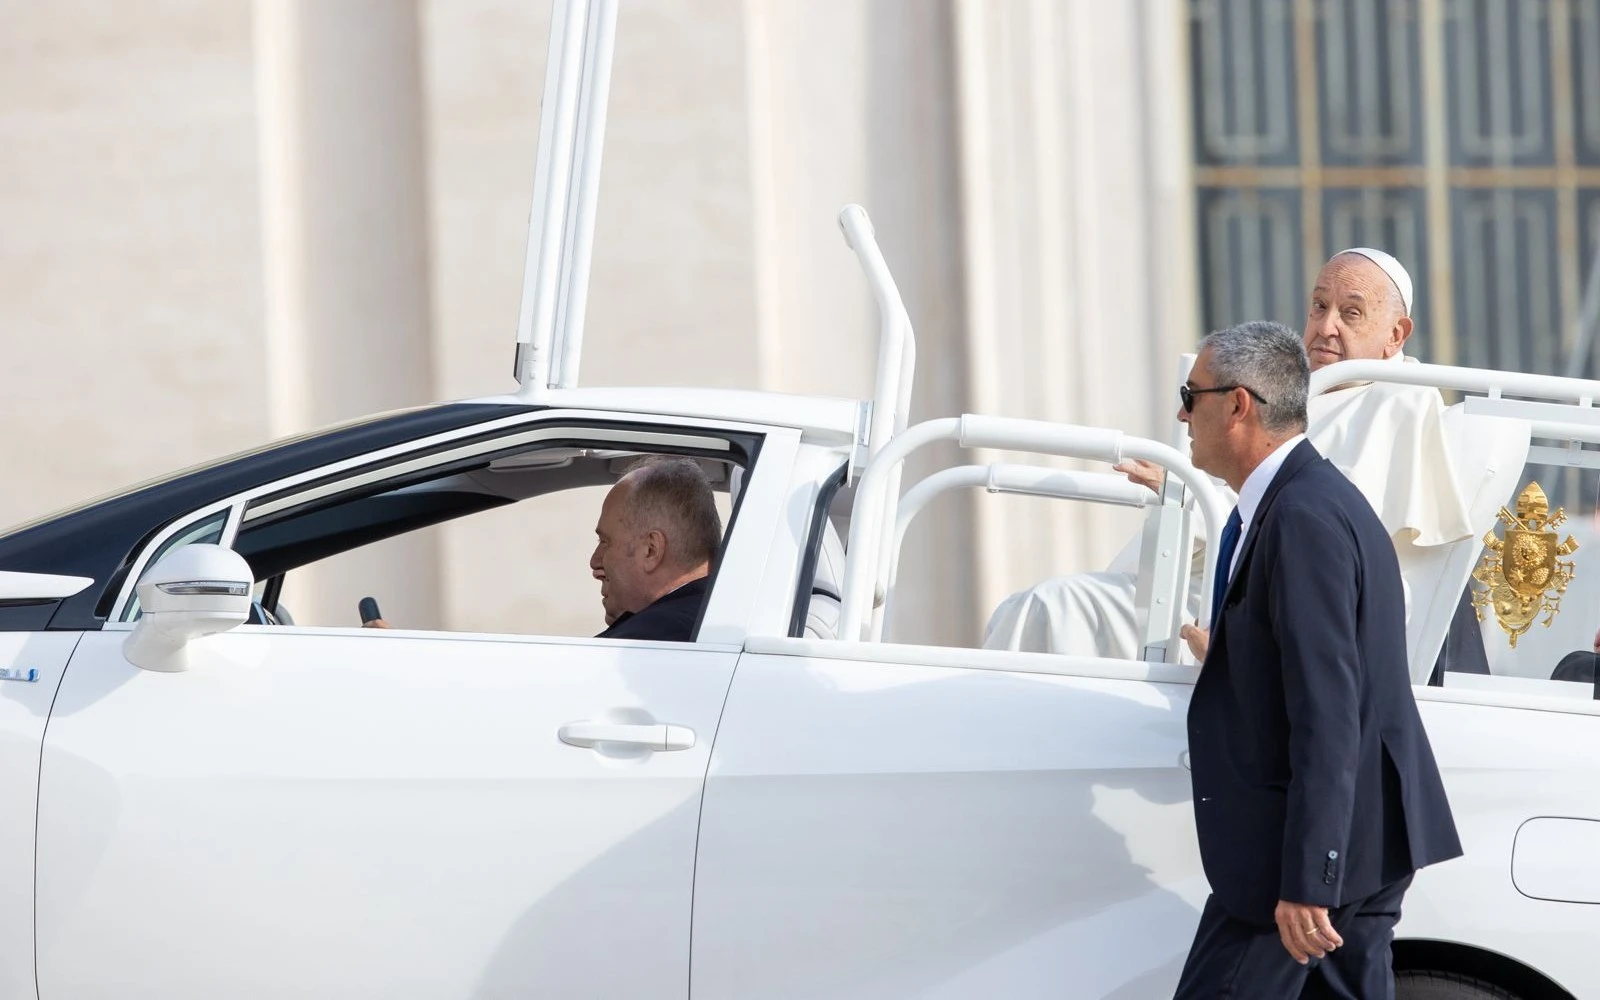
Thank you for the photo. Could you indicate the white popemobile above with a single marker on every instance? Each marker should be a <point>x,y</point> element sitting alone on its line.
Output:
<point>200,799</point>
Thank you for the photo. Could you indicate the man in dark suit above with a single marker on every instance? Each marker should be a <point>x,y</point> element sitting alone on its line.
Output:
<point>1316,795</point>
<point>657,534</point>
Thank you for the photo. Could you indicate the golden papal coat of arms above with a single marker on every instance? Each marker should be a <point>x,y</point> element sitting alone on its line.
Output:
<point>1522,573</point>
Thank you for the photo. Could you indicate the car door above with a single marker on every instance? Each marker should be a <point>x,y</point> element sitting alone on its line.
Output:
<point>344,813</point>
<point>888,821</point>
<point>363,812</point>
<point>31,664</point>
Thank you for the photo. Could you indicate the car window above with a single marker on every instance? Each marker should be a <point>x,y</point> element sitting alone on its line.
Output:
<point>516,568</point>
<point>501,545</point>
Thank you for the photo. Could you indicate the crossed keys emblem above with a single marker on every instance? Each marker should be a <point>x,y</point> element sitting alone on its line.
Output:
<point>1522,573</point>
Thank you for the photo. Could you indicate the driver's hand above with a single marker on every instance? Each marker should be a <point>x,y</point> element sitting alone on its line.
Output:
<point>375,623</point>
<point>1146,474</point>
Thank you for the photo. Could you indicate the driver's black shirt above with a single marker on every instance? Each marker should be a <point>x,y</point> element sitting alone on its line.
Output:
<point>671,618</point>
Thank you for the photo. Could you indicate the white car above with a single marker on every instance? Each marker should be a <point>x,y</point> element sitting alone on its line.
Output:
<point>202,800</point>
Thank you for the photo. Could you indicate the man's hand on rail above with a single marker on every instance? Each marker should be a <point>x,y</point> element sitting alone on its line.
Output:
<point>1142,473</point>
<point>1199,640</point>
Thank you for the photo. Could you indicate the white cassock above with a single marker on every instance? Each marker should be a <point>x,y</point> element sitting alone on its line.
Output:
<point>1390,441</point>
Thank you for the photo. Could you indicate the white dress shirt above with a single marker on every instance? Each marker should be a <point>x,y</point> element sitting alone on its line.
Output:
<point>1255,487</point>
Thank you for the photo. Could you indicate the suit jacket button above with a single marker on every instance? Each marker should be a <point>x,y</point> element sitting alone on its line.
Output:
<point>1333,855</point>
<point>1327,880</point>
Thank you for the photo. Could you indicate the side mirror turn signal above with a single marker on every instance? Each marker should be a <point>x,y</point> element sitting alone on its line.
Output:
<point>194,591</point>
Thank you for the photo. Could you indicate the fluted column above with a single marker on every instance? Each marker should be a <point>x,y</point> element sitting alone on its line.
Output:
<point>344,216</point>
<point>1079,247</point>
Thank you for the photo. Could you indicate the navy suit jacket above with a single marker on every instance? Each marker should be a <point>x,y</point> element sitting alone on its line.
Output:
<point>1313,778</point>
<point>672,618</point>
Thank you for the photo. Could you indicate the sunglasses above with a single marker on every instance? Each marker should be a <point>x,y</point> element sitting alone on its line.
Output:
<point>1186,395</point>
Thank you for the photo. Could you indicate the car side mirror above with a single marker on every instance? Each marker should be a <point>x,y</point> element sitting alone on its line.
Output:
<point>193,591</point>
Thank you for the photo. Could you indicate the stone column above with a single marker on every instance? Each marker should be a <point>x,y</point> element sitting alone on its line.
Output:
<point>344,215</point>
<point>855,103</point>
<point>1078,240</point>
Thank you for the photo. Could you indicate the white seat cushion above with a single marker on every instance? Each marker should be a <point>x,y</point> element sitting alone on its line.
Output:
<point>825,609</point>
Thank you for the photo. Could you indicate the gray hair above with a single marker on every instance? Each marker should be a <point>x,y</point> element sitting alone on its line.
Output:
<point>1270,360</point>
<point>672,495</point>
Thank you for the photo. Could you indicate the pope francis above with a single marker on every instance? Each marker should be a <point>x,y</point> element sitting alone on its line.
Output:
<point>1388,439</point>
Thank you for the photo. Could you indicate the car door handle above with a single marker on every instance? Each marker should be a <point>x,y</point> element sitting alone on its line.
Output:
<point>1183,758</point>
<point>651,737</point>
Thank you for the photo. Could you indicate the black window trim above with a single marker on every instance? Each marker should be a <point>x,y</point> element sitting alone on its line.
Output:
<point>805,589</point>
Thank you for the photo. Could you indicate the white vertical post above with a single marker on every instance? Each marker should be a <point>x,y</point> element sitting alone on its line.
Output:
<point>897,364</point>
<point>592,103</point>
<point>552,193</point>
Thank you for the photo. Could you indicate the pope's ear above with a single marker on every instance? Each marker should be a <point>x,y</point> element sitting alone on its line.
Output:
<point>1400,334</point>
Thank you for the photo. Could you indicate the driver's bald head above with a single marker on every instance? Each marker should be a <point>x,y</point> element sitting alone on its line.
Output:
<point>673,496</point>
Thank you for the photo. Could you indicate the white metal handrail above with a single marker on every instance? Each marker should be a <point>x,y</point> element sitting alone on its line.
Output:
<point>897,359</point>
<point>1490,383</point>
<point>1024,480</point>
<point>897,343</point>
<point>1555,407</point>
<point>867,562</point>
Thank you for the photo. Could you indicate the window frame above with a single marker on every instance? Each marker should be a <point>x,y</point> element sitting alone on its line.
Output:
<point>437,453</point>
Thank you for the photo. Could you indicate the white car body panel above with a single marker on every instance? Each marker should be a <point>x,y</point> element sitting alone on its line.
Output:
<point>338,813</point>
<point>876,826</point>
<point>31,665</point>
<point>16,586</point>
<point>879,829</point>
<point>1503,766</point>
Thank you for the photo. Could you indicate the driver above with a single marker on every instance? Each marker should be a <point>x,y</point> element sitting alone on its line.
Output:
<point>657,534</point>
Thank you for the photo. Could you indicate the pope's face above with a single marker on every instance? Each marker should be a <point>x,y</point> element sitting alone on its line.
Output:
<point>1355,313</point>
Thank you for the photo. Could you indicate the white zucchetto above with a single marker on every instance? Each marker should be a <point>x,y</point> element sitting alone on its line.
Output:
<point>1392,267</point>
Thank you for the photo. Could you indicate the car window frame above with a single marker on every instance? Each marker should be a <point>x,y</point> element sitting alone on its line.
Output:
<point>522,431</point>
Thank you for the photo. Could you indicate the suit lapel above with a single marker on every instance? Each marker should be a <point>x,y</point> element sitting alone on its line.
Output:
<point>1302,455</point>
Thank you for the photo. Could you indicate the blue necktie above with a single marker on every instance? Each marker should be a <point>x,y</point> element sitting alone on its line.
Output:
<point>1230,541</point>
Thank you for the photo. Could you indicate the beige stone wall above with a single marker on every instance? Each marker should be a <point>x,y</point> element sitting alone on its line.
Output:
<point>131,303</point>
<point>229,220</point>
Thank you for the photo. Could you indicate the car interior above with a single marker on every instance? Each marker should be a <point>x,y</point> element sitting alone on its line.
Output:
<point>290,530</point>
<point>280,541</point>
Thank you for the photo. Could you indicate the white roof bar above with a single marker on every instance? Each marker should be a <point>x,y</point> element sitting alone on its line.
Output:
<point>565,186</point>
<point>867,562</point>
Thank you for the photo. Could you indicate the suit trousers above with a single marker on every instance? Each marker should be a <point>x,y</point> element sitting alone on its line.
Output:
<point>1234,959</point>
